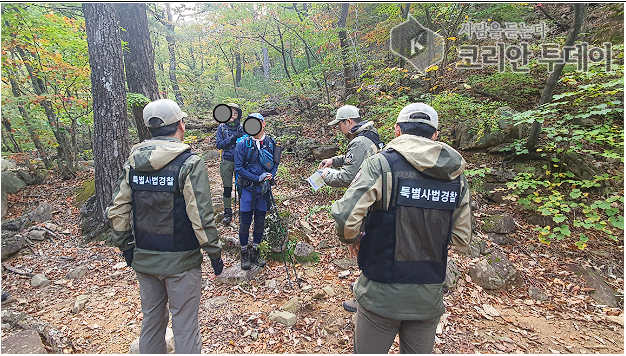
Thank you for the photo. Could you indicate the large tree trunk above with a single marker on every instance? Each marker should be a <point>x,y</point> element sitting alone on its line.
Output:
<point>139,59</point>
<point>171,46</point>
<point>347,70</point>
<point>546,95</point>
<point>111,139</point>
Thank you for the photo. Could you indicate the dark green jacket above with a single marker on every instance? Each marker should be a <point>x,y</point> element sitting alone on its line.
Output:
<point>436,159</point>
<point>152,155</point>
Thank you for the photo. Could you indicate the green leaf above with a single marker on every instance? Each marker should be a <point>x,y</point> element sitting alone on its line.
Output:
<point>617,221</point>
<point>559,218</point>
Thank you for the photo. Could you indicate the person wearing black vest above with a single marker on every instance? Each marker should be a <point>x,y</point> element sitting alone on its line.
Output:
<point>404,208</point>
<point>364,142</point>
<point>162,218</point>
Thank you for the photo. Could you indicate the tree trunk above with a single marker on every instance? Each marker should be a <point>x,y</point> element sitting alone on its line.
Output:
<point>27,122</point>
<point>546,95</point>
<point>230,65</point>
<point>238,68</point>
<point>111,138</point>
<point>282,53</point>
<point>139,59</point>
<point>266,63</point>
<point>66,154</point>
<point>341,24</point>
<point>7,125</point>
<point>171,46</point>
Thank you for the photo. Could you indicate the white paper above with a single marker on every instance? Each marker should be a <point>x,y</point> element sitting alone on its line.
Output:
<point>316,181</point>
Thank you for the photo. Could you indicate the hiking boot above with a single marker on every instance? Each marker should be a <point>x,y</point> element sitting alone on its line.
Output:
<point>256,259</point>
<point>228,216</point>
<point>350,305</point>
<point>245,259</point>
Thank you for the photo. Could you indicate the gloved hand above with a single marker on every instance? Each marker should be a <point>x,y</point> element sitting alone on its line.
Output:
<point>218,265</point>
<point>234,138</point>
<point>128,256</point>
<point>263,176</point>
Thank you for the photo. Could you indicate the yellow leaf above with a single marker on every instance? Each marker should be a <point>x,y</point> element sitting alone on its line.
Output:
<point>452,38</point>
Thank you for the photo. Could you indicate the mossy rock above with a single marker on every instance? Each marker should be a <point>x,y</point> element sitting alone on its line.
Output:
<point>88,189</point>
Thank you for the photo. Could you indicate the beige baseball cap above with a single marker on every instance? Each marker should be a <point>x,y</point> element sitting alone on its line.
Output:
<point>345,112</point>
<point>165,109</point>
<point>407,114</point>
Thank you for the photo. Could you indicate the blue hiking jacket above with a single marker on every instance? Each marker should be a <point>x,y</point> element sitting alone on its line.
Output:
<point>222,139</point>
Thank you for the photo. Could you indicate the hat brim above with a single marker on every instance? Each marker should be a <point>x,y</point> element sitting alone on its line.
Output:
<point>334,122</point>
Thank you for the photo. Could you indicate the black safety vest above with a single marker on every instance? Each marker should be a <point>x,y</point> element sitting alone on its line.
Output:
<point>408,243</point>
<point>159,211</point>
<point>373,136</point>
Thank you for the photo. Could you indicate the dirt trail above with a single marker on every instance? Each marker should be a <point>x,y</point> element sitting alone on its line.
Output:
<point>476,321</point>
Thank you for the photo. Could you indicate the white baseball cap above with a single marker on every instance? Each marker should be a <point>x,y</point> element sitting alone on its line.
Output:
<point>165,109</point>
<point>407,114</point>
<point>345,112</point>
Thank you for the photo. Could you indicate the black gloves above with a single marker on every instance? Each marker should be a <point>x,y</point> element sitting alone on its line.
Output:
<point>128,256</point>
<point>234,138</point>
<point>218,265</point>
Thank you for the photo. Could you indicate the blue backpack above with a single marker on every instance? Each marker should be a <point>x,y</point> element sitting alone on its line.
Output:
<point>265,157</point>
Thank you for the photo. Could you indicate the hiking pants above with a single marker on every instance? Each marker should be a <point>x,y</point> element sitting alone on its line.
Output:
<point>183,292</point>
<point>227,171</point>
<point>374,334</point>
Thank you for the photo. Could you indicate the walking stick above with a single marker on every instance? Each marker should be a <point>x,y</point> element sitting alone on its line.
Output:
<point>282,233</point>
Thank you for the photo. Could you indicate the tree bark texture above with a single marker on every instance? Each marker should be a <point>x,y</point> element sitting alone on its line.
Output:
<point>341,24</point>
<point>111,138</point>
<point>139,59</point>
<point>546,95</point>
<point>171,47</point>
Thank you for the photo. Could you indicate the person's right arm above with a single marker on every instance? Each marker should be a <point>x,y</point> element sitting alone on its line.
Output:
<point>119,212</point>
<point>222,141</point>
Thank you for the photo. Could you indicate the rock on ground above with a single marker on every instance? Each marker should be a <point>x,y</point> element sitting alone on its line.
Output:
<point>345,263</point>
<point>494,271</point>
<point>303,249</point>
<point>292,305</point>
<point>79,303</point>
<point>39,280</point>
<point>42,213</point>
<point>23,342</point>
<point>286,318</point>
<point>77,273</point>
<point>235,275</point>
<point>216,302</point>
<point>11,182</point>
<point>500,224</point>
